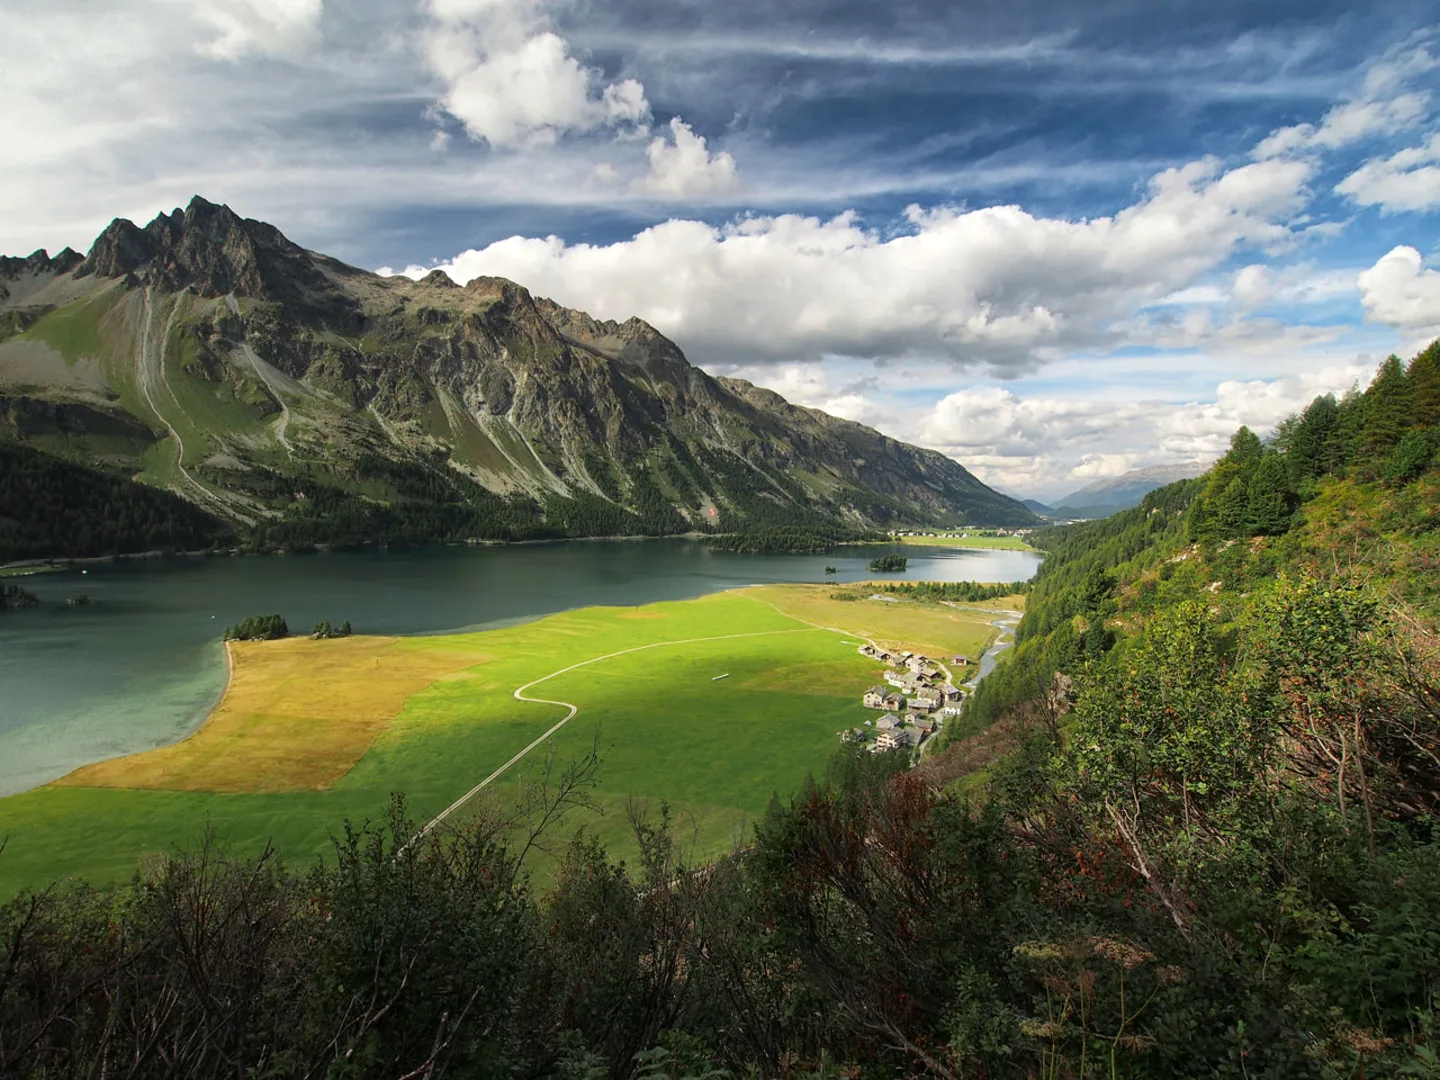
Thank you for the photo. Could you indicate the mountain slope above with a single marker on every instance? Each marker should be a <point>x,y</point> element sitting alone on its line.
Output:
<point>1100,498</point>
<point>284,390</point>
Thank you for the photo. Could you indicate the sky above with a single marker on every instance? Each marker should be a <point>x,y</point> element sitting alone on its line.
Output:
<point>1055,241</point>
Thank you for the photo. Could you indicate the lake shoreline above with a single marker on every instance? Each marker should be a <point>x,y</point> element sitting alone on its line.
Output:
<point>25,567</point>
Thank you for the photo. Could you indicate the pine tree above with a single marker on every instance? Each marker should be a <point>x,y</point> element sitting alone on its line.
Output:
<point>1342,445</point>
<point>1425,383</point>
<point>1245,451</point>
<point>1388,413</point>
<point>1307,439</point>
<point>1232,510</point>
<point>1197,523</point>
<point>1268,497</point>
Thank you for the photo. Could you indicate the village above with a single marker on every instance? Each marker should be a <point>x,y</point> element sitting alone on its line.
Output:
<point>921,696</point>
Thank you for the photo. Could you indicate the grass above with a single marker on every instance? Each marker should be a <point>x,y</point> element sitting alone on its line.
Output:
<point>895,622</point>
<point>30,570</point>
<point>74,330</point>
<point>279,728</point>
<point>309,734</point>
<point>978,543</point>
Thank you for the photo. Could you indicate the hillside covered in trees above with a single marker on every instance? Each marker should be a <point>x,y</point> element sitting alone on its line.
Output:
<point>1187,829</point>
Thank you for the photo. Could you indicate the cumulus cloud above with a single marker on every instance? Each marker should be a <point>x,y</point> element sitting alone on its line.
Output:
<point>1406,180</point>
<point>1043,443</point>
<point>1401,292</point>
<point>511,80</point>
<point>682,165</point>
<point>995,286</point>
<point>244,27</point>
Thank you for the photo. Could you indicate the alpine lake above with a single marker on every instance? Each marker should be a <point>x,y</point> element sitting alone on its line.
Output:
<point>141,665</point>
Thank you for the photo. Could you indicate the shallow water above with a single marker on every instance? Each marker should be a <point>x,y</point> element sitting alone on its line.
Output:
<point>142,665</point>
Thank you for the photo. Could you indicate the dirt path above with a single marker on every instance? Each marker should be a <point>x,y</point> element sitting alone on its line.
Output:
<point>520,695</point>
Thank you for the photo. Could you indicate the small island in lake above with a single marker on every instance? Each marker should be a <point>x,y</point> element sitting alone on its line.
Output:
<point>889,564</point>
<point>12,596</point>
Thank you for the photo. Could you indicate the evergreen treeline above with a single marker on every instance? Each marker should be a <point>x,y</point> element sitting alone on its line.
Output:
<point>792,539</point>
<point>258,628</point>
<point>54,508</point>
<point>1390,432</point>
<point>966,592</point>
<point>889,564</point>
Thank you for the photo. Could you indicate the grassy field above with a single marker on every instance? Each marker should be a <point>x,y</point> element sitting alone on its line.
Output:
<point>894,622</point>
<point>311,733</point>
<point>978,543</point>
<point>29,571</point>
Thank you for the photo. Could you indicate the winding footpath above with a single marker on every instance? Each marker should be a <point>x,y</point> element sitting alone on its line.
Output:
<point>572,708</point>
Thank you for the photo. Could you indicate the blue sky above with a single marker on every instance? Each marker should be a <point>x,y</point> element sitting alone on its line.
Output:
<point>1056,241</point>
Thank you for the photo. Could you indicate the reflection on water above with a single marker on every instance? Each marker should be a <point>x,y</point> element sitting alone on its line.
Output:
<point>141,665</point>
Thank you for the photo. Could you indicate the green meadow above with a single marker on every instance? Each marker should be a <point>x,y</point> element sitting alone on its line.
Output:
<point>713,750</point>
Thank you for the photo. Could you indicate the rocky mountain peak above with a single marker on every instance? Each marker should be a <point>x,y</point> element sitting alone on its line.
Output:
<point>40,262</point>
<point>210,250</point>
<point>504,292</point>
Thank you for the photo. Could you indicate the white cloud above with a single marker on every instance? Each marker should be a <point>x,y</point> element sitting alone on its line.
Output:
<point>1102,466</point>
<point>1401,292</point>
<point>1406,180</point>
<point>1048,444</point>
<point>683,166</point>
<point>1380,109</point>
<point>244,27</point>
<point>1346,124</point>
<point>510,79</point>
<point>995,286</point>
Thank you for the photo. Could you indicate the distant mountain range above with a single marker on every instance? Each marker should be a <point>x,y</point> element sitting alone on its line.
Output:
<point>281,390</point>
<point>1101,498</point>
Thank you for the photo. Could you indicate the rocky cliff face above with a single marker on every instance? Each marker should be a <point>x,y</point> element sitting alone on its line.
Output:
<point>312,367</point>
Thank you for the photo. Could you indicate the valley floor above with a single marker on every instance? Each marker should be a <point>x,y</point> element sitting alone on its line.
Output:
<point>310,733</point>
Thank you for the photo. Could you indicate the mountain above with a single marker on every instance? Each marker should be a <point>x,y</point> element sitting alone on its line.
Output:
<point>305,400</point>
<point>1101,498</point>
<point>1037,507</point>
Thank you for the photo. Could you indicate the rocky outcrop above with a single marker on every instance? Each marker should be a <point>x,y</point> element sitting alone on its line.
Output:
<point>211,251</point>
